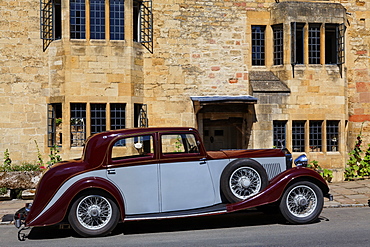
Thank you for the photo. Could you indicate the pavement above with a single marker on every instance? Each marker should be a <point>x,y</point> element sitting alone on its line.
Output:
<point>346,194</point>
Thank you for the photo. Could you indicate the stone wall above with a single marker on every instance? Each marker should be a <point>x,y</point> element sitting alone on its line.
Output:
<point>201,48</point>
<point>358,70</point>
<point>23,81</point>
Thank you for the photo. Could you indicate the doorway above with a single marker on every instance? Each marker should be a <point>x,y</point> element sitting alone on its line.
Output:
<point>222,134</point>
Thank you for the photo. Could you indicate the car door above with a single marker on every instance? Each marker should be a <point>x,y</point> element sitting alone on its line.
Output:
<point>185,179</point>
<point>134,170</point>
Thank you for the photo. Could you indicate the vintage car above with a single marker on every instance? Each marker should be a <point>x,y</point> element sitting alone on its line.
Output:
<point>155,173</point>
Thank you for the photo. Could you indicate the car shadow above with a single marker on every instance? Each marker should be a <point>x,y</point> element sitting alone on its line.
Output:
<point>238,219</point>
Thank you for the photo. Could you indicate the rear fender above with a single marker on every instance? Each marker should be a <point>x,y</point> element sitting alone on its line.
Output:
<point>277,186</point>
<point>56,210</point>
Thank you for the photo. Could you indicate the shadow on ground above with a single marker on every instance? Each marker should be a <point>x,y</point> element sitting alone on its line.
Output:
<point>239,219</point>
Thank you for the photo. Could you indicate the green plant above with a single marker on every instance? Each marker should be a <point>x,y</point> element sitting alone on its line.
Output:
<point>364,168</point>
<point>7,160</point>
<point>54,156</point>
<point>358,165</point>
<point>178,145</point>
<point>40,161</point>
<point>353,163</point>
<point>58,121</point>
<point>3,190</point>
<point>325,173</point>
<point>26,167</point>
<point>8,167</point>
<point>21,168</point>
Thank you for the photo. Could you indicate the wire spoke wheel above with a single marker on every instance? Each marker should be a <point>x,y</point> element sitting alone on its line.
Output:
<point>94,212</point>
<point>241,179</point>
<point>301,201</point>
<point>245,182</point>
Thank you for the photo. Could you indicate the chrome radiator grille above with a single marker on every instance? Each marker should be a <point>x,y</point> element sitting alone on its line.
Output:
<point>272,169</point>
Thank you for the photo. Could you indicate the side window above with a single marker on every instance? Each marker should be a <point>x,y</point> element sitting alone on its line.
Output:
<point>179,143</point>
<point>133,147</point>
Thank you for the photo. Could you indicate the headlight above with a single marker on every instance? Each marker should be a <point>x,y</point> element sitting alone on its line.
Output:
<point>301,161</point>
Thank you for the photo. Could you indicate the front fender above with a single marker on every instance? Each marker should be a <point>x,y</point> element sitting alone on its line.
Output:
<point>277,186</point>
<point>56,209</point>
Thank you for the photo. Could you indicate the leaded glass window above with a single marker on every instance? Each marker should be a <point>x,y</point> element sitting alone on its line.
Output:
<point>315,136</point>
<point>332,136</point>
<point>97,19</point>
<point>98,118</point>
<point>314,43</point>
<point>279,133</point>
<point>77,19</point>
<point>298,136</point>
<point>116,19</point>
<point>258,45</point>
<point>117,116</point>
<point>278,44</point>
<point>78,124</point>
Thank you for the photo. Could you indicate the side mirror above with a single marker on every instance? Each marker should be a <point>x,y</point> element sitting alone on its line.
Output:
<point>302,160</point>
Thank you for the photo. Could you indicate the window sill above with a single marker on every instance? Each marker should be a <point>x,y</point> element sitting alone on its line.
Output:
<point>98,41</point>
<point>333,153</point>
<point>259,66</point>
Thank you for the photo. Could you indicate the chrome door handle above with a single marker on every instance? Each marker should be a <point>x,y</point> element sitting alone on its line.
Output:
<point>203,161</point>
<point>111,171</point>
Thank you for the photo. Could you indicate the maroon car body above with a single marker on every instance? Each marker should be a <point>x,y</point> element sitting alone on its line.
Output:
<point>220,182</point>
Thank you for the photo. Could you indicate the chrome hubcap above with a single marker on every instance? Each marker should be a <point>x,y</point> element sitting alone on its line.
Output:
<point>94,212</point>
<point>245,182</point>
<point>301,201</point>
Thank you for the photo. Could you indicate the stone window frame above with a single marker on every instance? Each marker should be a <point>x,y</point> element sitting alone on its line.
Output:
<point>78,124</point>
<point>315,135</point>
<point>54,119</point>
<point>117,116</point>
<point>332,135</point>
<point>50,21</point>
<point>80,21</point>
<point>298,135</point>
<point>312,136</point>
<point>309,41</point>
<point>297,43</point>
<point>117,20</point>
<point>258,45</point>
<point>278,39</point>
<point>97,18</point>
<point>314,43</point>
<point>94,117</point>
<point>280,131</point>
<point>98,117</point>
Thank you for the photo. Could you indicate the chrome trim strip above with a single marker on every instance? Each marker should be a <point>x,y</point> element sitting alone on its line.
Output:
<point>133,218</point>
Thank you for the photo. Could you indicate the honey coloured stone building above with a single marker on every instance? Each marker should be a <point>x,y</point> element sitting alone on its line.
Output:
<point>247,74</point>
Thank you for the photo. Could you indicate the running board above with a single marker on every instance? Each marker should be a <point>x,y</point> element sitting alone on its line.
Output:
<point>217,209</point>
